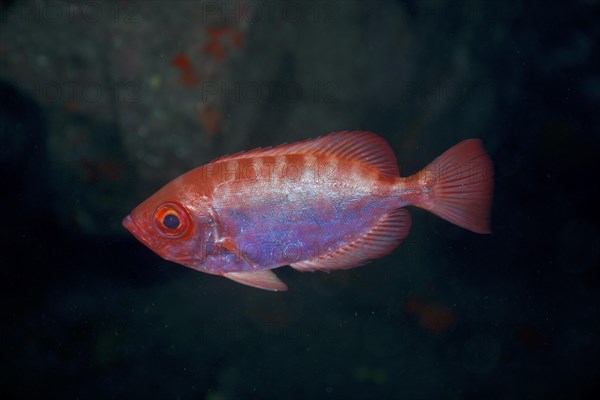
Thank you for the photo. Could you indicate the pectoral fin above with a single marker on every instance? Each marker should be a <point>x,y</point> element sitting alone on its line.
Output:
<point>264,279</point>
<point>229,245</point>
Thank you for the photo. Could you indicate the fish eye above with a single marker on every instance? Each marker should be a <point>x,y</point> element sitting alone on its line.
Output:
<point>171,219</point>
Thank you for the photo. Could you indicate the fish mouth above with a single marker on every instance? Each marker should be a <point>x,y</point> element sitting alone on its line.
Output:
<point>129,224</point>
<point>135,230</point>
<point>140,234</point>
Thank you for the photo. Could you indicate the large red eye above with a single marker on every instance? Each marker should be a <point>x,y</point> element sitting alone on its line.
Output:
<point>172,219</point>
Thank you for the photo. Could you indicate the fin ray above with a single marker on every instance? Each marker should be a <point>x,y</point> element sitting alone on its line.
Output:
<point>379,241</point>
<point>460,186</point>
<point>264,279</point>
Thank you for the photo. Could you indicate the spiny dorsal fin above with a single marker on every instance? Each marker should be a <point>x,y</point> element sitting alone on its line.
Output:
<point>362,146</point>
<point>379,241</point>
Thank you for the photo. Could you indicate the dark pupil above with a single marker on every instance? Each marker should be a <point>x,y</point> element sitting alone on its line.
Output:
<point>171,221</point>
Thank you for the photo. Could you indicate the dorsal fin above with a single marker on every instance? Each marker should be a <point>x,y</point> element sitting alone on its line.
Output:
<point>379,241</point>
<point>362,146</point>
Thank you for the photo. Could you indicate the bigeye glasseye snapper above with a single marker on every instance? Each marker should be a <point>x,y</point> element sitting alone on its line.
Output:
<point>334,202</point>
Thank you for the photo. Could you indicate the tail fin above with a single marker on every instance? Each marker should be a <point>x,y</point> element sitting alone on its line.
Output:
<point>458,186</point>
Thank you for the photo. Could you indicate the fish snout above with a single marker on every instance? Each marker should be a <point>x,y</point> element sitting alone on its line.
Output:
<point>135,229</point>
<point>128,223</point>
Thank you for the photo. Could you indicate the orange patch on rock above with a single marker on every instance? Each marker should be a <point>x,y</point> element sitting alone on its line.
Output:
<point>435,318</point>
<point>183,63</point>
<point>215,45</point>
<point>210,119</point>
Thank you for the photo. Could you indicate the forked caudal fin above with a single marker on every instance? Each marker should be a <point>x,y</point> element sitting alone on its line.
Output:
<point>458,186</point>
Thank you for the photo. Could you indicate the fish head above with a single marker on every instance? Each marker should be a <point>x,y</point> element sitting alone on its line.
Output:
<point>175,223</point>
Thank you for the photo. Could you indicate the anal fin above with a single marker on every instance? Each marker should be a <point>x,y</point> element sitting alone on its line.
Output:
<point>379,241</point>
<point>264,279</point>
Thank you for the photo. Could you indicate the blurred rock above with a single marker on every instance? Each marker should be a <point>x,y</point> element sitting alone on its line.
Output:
<point>155,88</point>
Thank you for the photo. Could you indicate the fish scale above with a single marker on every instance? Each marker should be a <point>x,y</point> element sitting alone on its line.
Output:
<point>294,207</point>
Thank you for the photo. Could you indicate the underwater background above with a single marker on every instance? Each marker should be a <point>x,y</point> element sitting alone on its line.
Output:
<point>102,103</point>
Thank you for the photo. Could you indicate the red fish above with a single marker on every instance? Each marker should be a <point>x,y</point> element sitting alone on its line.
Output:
<point>334,202</point>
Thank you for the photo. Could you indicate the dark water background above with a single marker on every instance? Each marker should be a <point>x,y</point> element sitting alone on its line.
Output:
<point>101,103</point>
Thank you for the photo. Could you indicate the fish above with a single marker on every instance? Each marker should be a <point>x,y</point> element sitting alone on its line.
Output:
<point>330,203</point>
